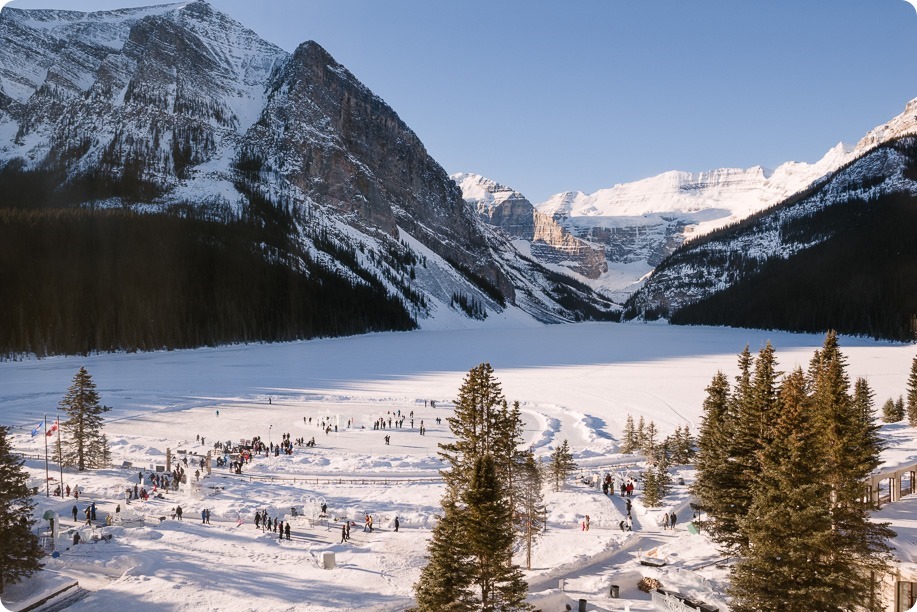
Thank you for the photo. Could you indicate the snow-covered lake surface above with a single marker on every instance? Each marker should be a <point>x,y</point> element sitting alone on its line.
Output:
<point>575,382</point>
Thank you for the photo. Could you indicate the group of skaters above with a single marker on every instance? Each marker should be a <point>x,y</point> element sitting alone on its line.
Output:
<point>267,523</point>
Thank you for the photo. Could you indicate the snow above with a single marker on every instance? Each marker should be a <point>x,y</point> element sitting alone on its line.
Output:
<point>575,382</point>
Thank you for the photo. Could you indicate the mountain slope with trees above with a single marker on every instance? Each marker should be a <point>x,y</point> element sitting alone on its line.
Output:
<point>839,255</point>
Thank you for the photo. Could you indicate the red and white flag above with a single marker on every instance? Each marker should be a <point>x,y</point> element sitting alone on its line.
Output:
<point>53,427</point>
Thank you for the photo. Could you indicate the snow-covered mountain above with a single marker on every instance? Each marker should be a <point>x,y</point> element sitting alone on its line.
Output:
<point>537,234</point>
<point>839,255</point>
<point>641,222</point>
<point>180,108</point>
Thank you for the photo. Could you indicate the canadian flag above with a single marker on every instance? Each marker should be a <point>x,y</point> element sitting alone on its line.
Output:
<point>53,427</point>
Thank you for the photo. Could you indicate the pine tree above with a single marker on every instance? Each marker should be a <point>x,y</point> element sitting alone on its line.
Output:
<point>648,447</point>
<point>445,581</point>
<point>788,526</point>
<point>756,407</point>
<point>912,395</point>
<point>641,433</point>
<point>533,512</point>
<point>20,554</point>
<point>629,437</point>
<point>475,425</point>
<point>479,503</point>
<point>889,412</point>
<point>562,464</point>
<point>857,552</point>
<point>488,536</point>
<point>83,443</point>
<point>686,448</point>
<point>506,451</point>
<point>714,469</point>
<point>651,496</point>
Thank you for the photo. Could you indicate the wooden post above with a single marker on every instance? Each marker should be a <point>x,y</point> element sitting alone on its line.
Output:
<point>168,459</point>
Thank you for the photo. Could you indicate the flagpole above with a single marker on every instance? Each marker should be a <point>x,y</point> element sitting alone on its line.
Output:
<point>60,458</point>
<point>47,474</point>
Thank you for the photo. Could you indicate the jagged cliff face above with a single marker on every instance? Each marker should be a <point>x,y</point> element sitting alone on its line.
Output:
<point>512,213</point>
<point>143,94</point>
<point>341,145</point>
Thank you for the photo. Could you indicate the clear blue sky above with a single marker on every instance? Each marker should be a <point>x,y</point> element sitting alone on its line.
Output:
<point>580,95</point>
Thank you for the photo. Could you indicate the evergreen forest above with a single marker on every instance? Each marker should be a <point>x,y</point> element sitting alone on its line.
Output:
<point>860,282</point>
<point>78,279</point>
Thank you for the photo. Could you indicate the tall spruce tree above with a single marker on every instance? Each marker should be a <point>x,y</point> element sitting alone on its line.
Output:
<point>714,469</point>
<point>858,550</point>
<point>475,426</point>
<point>756,408</point>
<point>20,554</point>
<point>476,569</point>
<point>785,565</point>
<point>84,445</point>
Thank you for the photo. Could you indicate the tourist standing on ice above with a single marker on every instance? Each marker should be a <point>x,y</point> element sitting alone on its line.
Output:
<point>343,533</point>
<point>178,512</point>
<point>73,512</point>
<point>396,524</point>
<point>286,529</point>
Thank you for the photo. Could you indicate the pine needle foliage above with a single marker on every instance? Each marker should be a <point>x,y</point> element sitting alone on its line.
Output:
<point>562,464</point>
<point>470,563</point>
<point>20,554</point>
<point>83,444</point>
<point>804,535</point>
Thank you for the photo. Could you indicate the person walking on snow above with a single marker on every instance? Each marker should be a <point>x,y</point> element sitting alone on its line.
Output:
<point>396,524</point>
<point>286,530</point>
<point>343,533</point>
<point>178,512</point>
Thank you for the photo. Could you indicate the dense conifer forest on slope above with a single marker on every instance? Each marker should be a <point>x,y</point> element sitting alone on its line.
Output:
<point>76,279</point>
<point>862,281</point>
